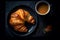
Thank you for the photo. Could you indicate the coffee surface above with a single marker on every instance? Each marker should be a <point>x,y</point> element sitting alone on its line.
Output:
<point>43,8</point>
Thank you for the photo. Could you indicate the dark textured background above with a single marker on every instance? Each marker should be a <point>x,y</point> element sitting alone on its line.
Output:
<point>52,18</point>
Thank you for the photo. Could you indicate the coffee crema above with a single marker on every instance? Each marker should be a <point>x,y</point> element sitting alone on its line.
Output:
<point>43,8</point>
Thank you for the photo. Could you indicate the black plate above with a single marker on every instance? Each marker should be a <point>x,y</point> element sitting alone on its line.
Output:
<point>31,28</point>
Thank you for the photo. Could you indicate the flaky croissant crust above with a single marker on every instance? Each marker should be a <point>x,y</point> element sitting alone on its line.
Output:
<point>18,19</point>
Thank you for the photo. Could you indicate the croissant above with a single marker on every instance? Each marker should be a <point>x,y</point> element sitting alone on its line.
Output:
<point>29,18</point>
<point>20,12</point>
<point>20,28</point>
<point>14,20</point>
<point>18,19</point>
<point>25,15</point>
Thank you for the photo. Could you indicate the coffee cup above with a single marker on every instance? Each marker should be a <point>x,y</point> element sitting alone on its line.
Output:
<point>42,7</point>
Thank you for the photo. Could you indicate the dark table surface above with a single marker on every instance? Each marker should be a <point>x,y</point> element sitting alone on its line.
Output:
<point>52,18</point>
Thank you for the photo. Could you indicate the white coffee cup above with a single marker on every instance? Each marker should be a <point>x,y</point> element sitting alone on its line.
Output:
<point>40,2</point>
